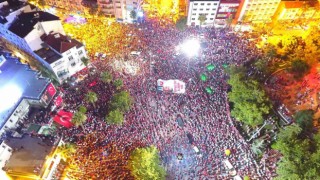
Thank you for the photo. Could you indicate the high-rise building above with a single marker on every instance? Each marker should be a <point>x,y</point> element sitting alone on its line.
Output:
<point>206,9</point>
<point>257,11</point>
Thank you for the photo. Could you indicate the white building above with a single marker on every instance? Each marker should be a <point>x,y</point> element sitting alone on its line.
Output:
<point>258,10</point>
<point>208,8</point>
<point>28,32</point>
<point>9,9</point>
<point>20,88</point>
<point>5,154</point>
<point>63,54</point>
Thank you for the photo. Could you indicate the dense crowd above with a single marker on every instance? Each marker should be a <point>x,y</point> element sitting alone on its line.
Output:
<point>153,118</point>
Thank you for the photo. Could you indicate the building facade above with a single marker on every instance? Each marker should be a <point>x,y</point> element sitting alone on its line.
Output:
<point>226,12</point>
<point>20,88</point>
<point>26,33</point>
<point>119,9</point>
<point>207,9</point>
<point>292,10</point>
<point>257,11</point>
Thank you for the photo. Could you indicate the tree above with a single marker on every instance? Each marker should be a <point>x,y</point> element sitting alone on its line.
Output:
<point>144,163</point>
<point>133,14</point>
<point>118,83</point>
<point>202,18</point>
<point>299,67</point>
<point>91,97</point>
<point>182,23</point>
<point>66,150</point>
<point>258,146</point>
<point>79,119</point>
<point>300,156</point>
<point>85,61</point>
<point>304,119</point>
<point>106,77</point>
<point>121,101</point>
<point>115,117</point>
<point>250,103</point>
<point>82,109</point>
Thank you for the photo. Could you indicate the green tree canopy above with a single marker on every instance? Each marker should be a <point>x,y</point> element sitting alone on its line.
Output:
<point>115,117</point>
<point>300,156</point>
<point>181,24</point>
<point>133,14</point>
<point>82,109</point>
<point>202,18</point>
<point>91,97</point>
<point>79,119</point>
<point>121,101</point>
<point>118,83</point>
<point>85,61</point>
<point>250,103</point>
<point>106,77</point>
<point>299,67</point>
<point>304,119</point>
<point>144,164</point>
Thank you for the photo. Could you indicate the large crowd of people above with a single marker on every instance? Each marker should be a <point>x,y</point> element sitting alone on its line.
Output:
<point>153,118</point>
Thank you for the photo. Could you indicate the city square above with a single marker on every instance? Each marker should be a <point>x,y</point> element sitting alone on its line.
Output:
<point>153,94</point>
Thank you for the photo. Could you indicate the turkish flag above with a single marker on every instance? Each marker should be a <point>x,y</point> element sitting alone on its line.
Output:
<point>51,90</point>
<point>58,101</point>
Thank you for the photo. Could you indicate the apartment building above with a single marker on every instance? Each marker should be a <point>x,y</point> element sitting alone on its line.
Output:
<point>291,10</point>
<point>207,8</point>
<point>26,33</point>
<point>257,11</point>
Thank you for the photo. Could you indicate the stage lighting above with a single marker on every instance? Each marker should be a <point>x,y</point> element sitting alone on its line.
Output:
<point>191,47</point>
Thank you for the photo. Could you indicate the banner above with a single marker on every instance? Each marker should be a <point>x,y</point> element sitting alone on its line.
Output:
<point>174,86</point>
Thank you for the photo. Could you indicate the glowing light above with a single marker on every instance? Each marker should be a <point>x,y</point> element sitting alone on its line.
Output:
<point>9,94</point>
<point>140,14</point>
<point>191,47</point>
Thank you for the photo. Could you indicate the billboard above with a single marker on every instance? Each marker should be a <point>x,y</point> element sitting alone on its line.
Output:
<point>48,94</point>
<point>174,86</point>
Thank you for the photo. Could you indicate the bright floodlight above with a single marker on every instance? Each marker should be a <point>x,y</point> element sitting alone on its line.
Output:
<point>140,14</point>
<point>191,47</point>
<point>9,94</point>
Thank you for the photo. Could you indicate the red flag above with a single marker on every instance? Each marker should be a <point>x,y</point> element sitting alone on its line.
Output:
<point>51,90</point>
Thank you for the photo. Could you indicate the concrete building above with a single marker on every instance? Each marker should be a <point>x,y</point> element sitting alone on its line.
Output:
<point>10,9</point>
<point>62,53</point>
<point>26,32</point>
<point>257,11</point>
<point>34,158</point>
<point>5,154</point>
<point>291,10</point>
<point>20,88</point>
<point>207,8</point>
<point>226,12</point>
<point>72,6</point>
<point>119,9</point>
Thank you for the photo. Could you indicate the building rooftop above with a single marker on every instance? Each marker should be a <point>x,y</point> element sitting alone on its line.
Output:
<point>60,43</point>
<point>26,21</point>
<point>17,82</point>
<point>12,6</point>
<point>30,155</point>
<point>48,55</point>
